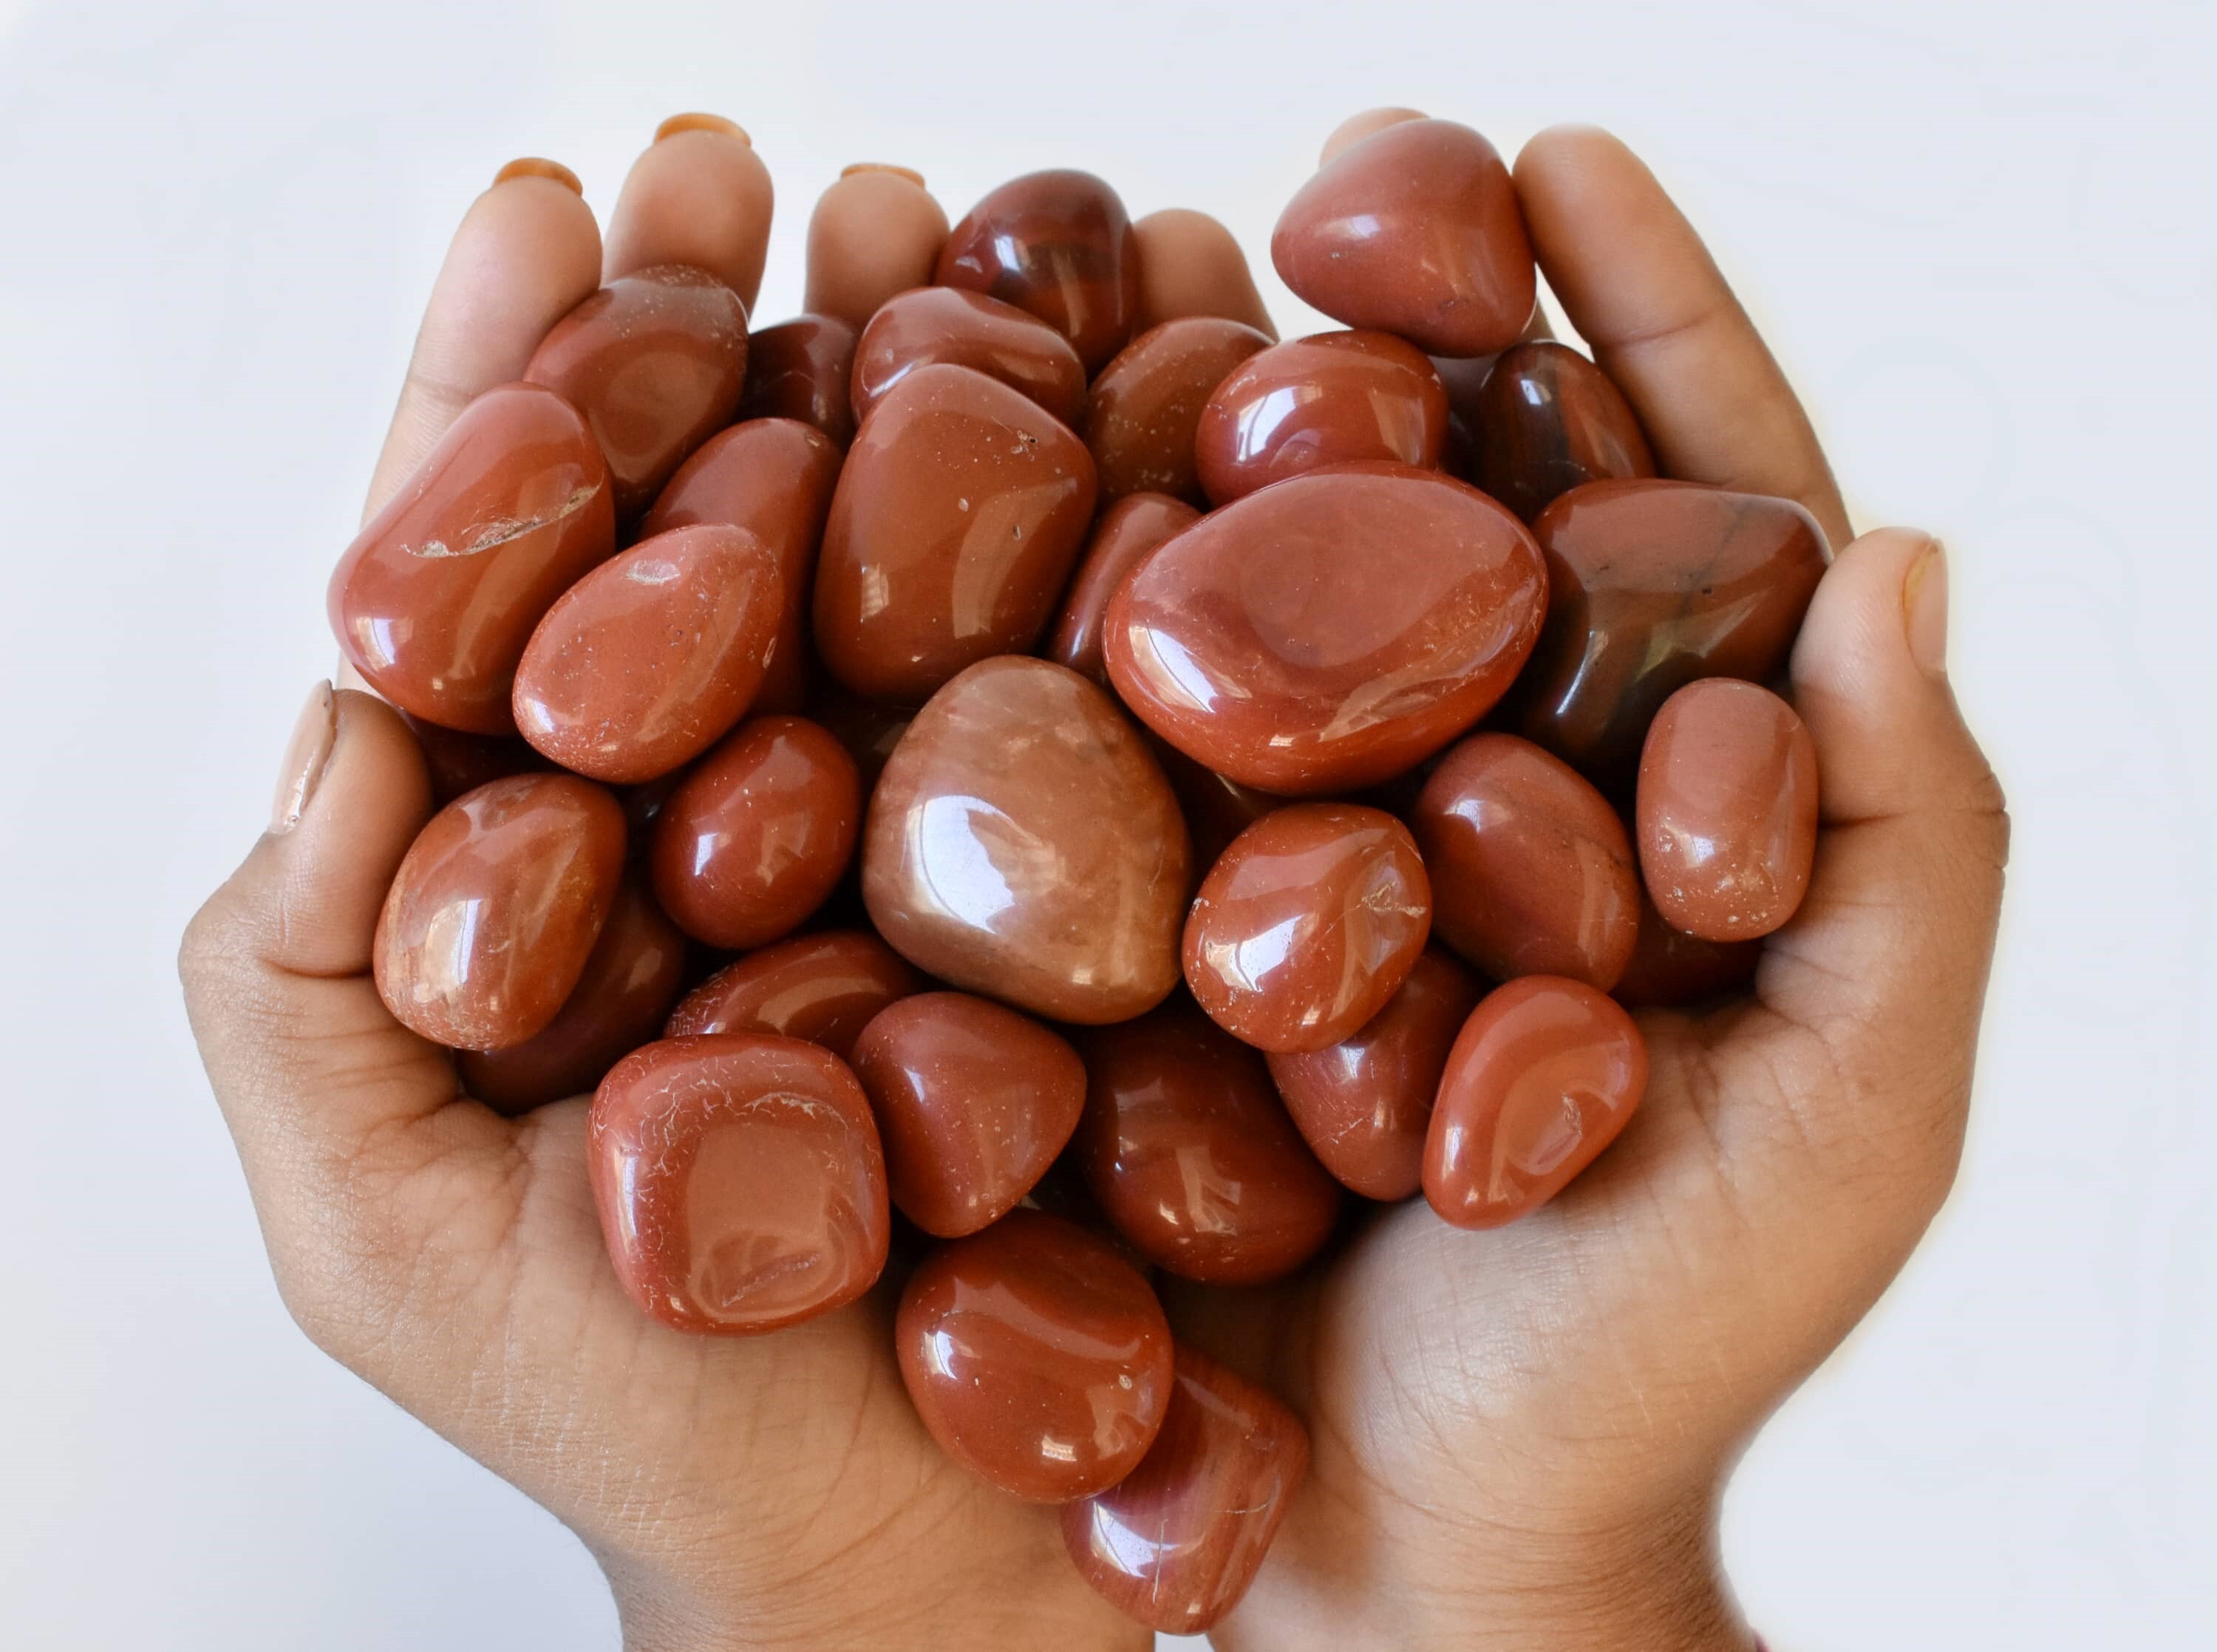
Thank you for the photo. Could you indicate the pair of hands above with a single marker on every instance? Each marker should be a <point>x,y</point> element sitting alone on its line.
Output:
<point>1520,1437</point>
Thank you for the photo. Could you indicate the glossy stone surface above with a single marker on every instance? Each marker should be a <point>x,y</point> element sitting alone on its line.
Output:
<point>1727,813</point>
<point>955,527</point>
<point>1670,969</point>
<point>1413,230</point>
<point>656,360</point>
<point>1330,632</point>
<point>1189,1153</point>
<point>772,477</point>
<point>1058,244</point>
<point>629,981</point>
<point>652,656</point>
<point>1532,872</point>
<point>495,908</point>
<point>1543,1075</point>
<point>1126,534</point>
<point>1178,1541</point>
<point>1147,404</point>
<point>757,833</point>
<point>1022,844</point>
<point>1308,925</point>
<point>946,326</point>
<point>1546,420</point>
<point>435,598</point>
<point>799,369</point>
<point>974,1100</point>
<point>1652,584</point>
<point>1333,398</point>
<point>1364,1105</point>
<point>1036,1356</point>
<point>824,988</point>
<point>739,1181</point>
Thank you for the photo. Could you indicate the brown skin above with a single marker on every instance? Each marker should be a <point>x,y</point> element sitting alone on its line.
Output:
<point>1520,1436</point>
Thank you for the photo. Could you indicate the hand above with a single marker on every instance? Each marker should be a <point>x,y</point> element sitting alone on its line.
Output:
<point>1521,1436</point>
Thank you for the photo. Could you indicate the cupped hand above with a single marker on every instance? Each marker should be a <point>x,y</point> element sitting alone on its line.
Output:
<point>1521,1436</point>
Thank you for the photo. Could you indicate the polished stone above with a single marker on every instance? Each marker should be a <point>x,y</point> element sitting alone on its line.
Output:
<point>1126,534</point>
<point>799,369</point>
<point>1058,244</point>
<point>1147,404</point>
<point>1330,399</point>
<point>1547,420</point>
<point>824,988</point>
<point>1670,969</point>
<point>945,326</point>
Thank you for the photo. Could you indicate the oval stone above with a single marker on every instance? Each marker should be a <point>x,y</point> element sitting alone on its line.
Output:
<point>1728,811</point>
<point>772,479</point>
<point>1652,584</point>
<point>974,1101</point>
<point>1413,230</point>
<point>1330,632</point>
<point>739,1181</point>
<point>1126,534</point>
<point>495,907</point>
<point>799,369</point>
<point>1189,1155</point>
<point>824,988</point>
<point>1546,420</point>
<point>1364,1105</point>
<point>757,833</point>
<point>1036,1356</point>
<point>1330,399</point>
<point>946,326</point>
<point>651,658</point>
<point>954,528</point>
<point>435,598</point>
<point>1022,844</point>
<point>1147,404</point>
<point>1532,872</point>
<point>1542,1077</point>
<point>1058,244</point>
<point>1308,925</point>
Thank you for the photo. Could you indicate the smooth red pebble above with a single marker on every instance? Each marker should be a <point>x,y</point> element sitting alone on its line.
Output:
<point>656,360</point>
<point>1330,399</point>
<point>1307,926</point>
<point>1670,969</point>
<point>1126,535</point>
<point>956,522</point>
<point>1036,1356</point>
<point>773,478</point>
<point>799,369</point>
<point>1547,420</point>
<point>1058,244</point>
<point>1652,584</point>
<point>1176,1543</point>
<point>1727,812</point>
<point>1532,871</point>
<point>628,984</point>
<point>945,326</point>
<point>757,835</point>
<point>824,988</point>
<point>1330,632</point>
<point>459,762</point>
<point>1414,231</point>
<point>651,658</point>
<point>434,600</point>
<point>1190,1156</point>
<point>974,1101</point>
<point>740,1181</point>
<point>1364,1105</point>
<point>495,907</point>
<point>1542,1076</point>
<point>1147,404</point>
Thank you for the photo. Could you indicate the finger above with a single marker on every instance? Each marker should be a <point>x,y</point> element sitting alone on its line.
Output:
<point>1189,265</point>
<point>1353,130</point>
<point>1637,283</point>
<point>699,195</point>
<point>527,253</point>
<point>875,232</point>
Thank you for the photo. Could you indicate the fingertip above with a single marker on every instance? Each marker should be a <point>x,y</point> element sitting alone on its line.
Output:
<point>1192,265</point>
<point>538,166</point>
<point>1353,130</point>
<point>876,231</point>
<point>699,195</point>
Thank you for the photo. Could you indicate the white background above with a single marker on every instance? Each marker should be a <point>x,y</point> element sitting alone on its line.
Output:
<point>1982,241</point>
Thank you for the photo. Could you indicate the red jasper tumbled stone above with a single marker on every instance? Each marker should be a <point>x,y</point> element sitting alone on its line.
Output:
<point>1058,244</point>
<point>1147,404</point>
<point>824,988</point>
<point>945,326</point>
<point>1329,399</point>
<point>1126,535</point>
<point>1546,420</point>
<point>799,369</point>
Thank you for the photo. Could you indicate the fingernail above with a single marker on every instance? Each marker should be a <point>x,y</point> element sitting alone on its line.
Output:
<point>695,121</point>
<point>1924,609</point>
<point>538,166</point>
<point>914,178</point>
<point>309,749</point>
